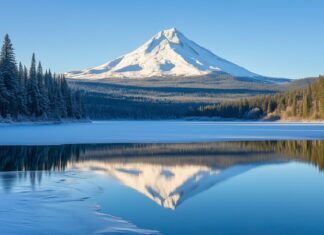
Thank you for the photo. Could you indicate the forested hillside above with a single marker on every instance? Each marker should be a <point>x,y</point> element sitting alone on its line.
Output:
<point>301,104</point>
<point>32,94</point>
<point>163,98</point>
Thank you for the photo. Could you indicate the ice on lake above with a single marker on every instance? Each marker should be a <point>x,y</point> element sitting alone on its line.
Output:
<point>156,132</point>
<point>55,203</point>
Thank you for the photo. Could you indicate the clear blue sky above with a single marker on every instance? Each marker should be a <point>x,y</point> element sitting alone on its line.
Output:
<point>282,38</point>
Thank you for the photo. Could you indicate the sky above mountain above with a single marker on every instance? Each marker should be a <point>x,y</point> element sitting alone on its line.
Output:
<point>273,38</point>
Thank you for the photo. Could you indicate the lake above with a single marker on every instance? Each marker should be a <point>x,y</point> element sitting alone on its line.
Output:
<point>156,132</point>
<point>162,178</point>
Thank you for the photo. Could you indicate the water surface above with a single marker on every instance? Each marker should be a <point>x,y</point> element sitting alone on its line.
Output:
<point>249,187</point>
<point>156,132</point>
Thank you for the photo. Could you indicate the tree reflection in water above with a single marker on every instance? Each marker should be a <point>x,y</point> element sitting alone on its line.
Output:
<point>33,161</point>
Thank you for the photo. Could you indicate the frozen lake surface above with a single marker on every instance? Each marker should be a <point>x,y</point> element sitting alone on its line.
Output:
<point>156,132</point>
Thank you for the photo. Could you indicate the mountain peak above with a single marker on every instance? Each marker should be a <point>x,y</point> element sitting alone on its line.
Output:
<point>168,53</point>
<point>169,31</point>
<point>172,35</point>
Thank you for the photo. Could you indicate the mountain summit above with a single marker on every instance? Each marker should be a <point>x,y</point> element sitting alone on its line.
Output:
<point>168,53</point>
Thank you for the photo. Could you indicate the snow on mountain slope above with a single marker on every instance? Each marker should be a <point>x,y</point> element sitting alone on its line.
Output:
<point>168,53</point>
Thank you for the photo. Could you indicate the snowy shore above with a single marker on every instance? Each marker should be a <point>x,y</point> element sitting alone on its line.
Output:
<point>40,121</point>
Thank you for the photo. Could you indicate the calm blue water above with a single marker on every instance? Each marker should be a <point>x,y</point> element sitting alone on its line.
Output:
<point>260,187</point>
<point>273,199</point>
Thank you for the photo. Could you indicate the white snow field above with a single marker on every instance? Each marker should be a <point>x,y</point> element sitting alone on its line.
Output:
<point>168,53</point>
<point>61,204</point>
<point>155,132</point>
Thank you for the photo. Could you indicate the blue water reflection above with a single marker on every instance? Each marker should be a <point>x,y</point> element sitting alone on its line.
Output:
<point>265,187</point>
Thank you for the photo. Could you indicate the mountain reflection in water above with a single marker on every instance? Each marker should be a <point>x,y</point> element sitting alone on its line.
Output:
<point>166,173</point>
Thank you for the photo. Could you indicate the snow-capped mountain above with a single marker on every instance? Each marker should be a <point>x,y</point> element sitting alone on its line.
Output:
<point>168,53</point>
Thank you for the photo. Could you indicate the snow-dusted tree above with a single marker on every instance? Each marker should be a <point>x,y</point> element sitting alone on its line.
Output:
<point>25,77</point>
<point>4,103</point>
<point>66,93</point>
<point>50,89</point>
<point>43,101</point>
<point>21,80</point>
<point>8,70</point>
<point>78,107</point>
<point>32,90</point>
<point>59,101</point>
<point>21,92</point>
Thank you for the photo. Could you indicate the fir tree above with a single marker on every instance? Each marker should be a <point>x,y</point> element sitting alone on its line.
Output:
<point>33,92</point>
<point>43,98</point>
<point>8,69</point>
<point>294,106</point>
<point>4,102</point>
<point>66,95</point>
<point>269,108</point>
<point>306,103</point>
<point>21,92</point>
<point>60,106</point>
<point>321,97</point>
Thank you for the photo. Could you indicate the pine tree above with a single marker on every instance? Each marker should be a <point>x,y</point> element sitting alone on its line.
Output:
<point>66,93</point>
<point>21,92</point>
<point>77,105</point>
<point>33,92</point>
<point>50,84</point>
<point>306,103</point>
<point>4,103</point>
<point>43,98</point>
<point>26,78</point>
<point>21,75</point>
<point>294,106</point>
<point>269,109</point>
<point>321,97</point>
<point>59,101</point>
<point>8,69</point>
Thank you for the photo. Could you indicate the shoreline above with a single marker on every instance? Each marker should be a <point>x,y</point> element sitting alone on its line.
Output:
<point>6,122</point>
<point>189,119</point>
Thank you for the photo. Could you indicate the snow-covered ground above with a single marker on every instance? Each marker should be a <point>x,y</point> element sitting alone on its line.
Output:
<point>61,204</point>
<point>156,132</point>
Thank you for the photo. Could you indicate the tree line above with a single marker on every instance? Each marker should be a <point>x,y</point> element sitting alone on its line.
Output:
<point>34,94</point>
<point>305,103</point>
